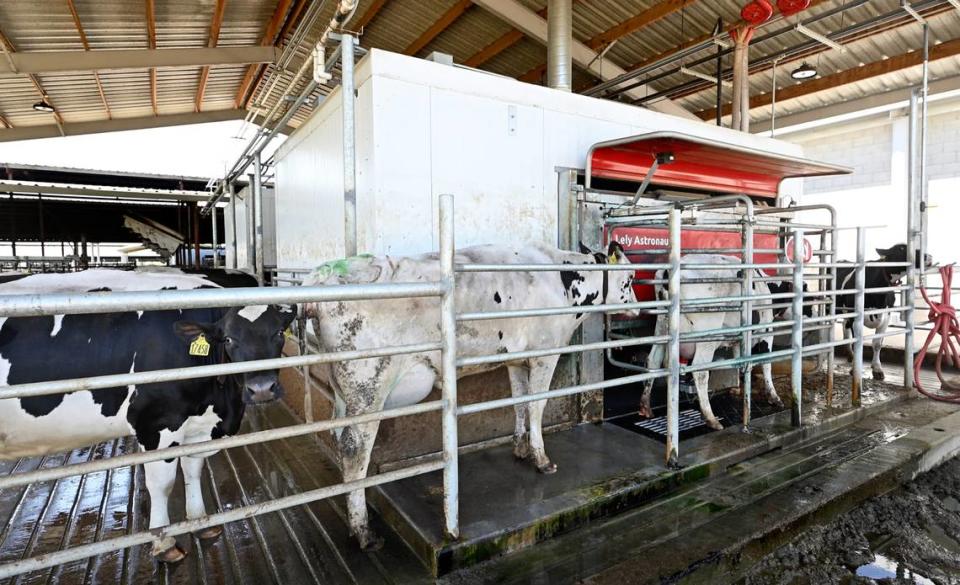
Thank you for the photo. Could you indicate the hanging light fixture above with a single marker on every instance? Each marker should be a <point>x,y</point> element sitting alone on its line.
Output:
<point>805,71</point>
<point>43,106</point>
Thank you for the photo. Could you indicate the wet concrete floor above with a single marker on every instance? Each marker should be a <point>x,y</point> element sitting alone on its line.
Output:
<point>306,544</point>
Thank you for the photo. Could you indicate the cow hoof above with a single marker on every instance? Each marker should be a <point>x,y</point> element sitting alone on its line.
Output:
<point>172,555</point>
<point>645,412</point>
<point>878,375</point>
<point>714,424</point>
<point>521,452</point>
<point>548,468</point>
<point>210,533</point>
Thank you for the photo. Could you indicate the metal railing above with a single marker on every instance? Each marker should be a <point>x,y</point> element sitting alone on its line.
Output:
<point>444,288</point>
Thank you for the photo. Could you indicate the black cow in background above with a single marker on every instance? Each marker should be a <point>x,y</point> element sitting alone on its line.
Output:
<point>34,349</point>
<point>875,277</point>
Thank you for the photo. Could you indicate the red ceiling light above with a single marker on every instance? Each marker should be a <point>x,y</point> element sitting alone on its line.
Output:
<point>757,12</point>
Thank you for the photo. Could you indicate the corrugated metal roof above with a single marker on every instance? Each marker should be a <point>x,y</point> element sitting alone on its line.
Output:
<point>45,25</point>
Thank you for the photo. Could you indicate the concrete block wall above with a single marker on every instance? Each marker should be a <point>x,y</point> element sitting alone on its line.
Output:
<point>876,193</point>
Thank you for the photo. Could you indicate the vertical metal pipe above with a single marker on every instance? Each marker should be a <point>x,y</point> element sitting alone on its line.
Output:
<point>831,332</point>
<point>258,219</point>
<point>746,316</point>
<point>43,248</point>
<point>349,147</point>
<point>559,40</point>
<point>215,237</point>
<point>673,346</point>
<point>911,277</point>
<point>796,331</point>
<point>233,222</point>
<point>773,100</point>
<point>924,127</point>
<point>249,207</point>
<point>860,283</point>
<point>305,370</point>
<point>448,332</point>
<point>195,222</point>
<point>717,31</point>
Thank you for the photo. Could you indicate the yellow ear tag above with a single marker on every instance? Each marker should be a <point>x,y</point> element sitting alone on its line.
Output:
<point>612,260</point>
<point>200,346</point>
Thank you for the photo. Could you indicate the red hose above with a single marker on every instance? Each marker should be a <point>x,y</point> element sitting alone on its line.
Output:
<point>944,318</point>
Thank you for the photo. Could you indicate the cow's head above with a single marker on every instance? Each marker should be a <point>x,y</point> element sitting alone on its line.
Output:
<point>898,253</point>
<point>244,334</point>
<point>619,283</point>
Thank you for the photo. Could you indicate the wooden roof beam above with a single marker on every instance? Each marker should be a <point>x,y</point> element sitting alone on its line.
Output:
<point>649,16</point>
<point>86,47</point>
<point>442,24</point>
<point>853,75</point>
<point>152,44</point>
<point>215,23</point>
<point>268,39</point>
<point>11,48</point>
<point>370,14</point>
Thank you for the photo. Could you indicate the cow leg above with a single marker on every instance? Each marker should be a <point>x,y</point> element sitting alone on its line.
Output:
<point>875,364</point>
<point>848,334</point>
<point>192,467</point>
<point>520,386</point>
<point>765,346</point>
<point>541,373</point>
<point>654,362</point>
<point>159,476</point>
<point>356,445</point>
<point>704,355</point>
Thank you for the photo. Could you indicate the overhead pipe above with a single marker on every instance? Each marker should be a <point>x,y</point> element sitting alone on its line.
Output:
<point>344,12</point>
<point>741,81</point>
<point>717,39</point>
<point>559,41</point>
<point>783,55</point>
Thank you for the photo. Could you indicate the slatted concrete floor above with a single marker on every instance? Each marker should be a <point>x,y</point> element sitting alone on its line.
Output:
<point>306,544</point>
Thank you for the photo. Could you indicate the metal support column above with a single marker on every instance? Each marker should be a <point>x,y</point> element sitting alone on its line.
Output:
<point>924,127</point>
<point>673,346</point>
<point>746,318</point>
<point>43,246</point>
<point>559,41</point>
<point>448,332</point>
<point>349,146</point>
<point>796,331</point>
<point>215,236</point>
<point>233,222</point>
<point>860,283</point>
<point>911,277</point>
<point>257,220</point>
<point>195,224</point>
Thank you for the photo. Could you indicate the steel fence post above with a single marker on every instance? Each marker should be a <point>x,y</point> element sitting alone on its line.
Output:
<point>860,283</point>
<point>746,317</point>
<point>796,331</point>
<point>448,330</point>
<point>673,346</point>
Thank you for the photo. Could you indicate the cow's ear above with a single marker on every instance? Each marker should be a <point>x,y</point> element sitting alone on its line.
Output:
<point>884,252</point>
<point>191,330</point>
<point>584,249</point>
<point>615,253</point>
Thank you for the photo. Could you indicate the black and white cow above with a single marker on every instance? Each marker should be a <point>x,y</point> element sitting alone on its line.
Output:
<point>875,277</point>
<point>363,386</point>
<point>702,352</point>
<point>34,349</point>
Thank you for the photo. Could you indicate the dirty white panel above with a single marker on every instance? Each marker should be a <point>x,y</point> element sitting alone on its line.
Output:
<point>401,174</point>
<point>424,129</point>
<point>488,153</point>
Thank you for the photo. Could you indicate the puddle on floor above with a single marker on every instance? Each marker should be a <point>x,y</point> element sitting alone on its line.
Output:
<point>951,503</point>
<point>886,568</point>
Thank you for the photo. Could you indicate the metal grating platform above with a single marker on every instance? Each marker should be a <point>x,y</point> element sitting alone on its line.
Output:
<point>307,544</point>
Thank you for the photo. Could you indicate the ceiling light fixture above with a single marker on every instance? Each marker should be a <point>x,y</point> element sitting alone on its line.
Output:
<point>43,106</point>
<point>805,71</point>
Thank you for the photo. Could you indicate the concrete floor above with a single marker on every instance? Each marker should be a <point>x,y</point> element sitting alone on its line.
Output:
<point>311,544</point>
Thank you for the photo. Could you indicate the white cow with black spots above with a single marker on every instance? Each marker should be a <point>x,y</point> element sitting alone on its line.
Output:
<point>702,352</point>
<point>370,385</point>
